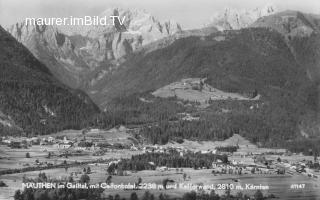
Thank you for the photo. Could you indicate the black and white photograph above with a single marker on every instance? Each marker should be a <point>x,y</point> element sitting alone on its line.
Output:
<point>159,100</point>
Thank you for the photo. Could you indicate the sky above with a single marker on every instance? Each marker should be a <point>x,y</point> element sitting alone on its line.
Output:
<point>189,13</point>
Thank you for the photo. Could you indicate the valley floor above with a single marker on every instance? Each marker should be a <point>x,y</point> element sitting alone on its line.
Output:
<point>279,184</point>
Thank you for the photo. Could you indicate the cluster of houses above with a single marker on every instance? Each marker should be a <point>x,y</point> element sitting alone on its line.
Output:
<point>260,164</point>
<point>57,142</point>
<point>165,149</point>
<point>240,167</point>
<point>305,167</point>
<point>180,149</point>
<point>24,142</point>
<point>19,142</point>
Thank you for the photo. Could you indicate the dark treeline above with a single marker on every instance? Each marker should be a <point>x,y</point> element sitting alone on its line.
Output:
<point>230,149</point>
<point>203,129</point>
<point>133,110</point>
<point>26,104</point>
<point>171,160</point>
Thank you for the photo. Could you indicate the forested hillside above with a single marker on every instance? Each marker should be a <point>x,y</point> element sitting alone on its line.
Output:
<point>234,61</point>
<point>254,59</point>
<point>33,98</point>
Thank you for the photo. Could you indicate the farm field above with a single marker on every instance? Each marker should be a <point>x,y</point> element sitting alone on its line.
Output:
<point>16,158</point>
<point>195,90</point>
<point>245,146</point>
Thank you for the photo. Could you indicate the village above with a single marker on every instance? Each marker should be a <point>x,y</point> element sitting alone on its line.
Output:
<point>92,145</point>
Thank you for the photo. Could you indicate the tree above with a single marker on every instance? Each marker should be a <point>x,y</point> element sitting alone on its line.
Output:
<point>88,170</point>
<point>70,179</point>
<point>228,192</point>
<point>146,195</point>
<point>108,181</point>
<point>3,184</point>
<point>184,176</point>
<point>214,196</point>
<point>111,169</point>
<point>17,195</point>
<point>165,182</point>
<point>139,180</point>
<point>40,195</point>
<point>279,159</point>
<point>190,196</point>
<point>201,85</point>
<point>239,195</point>
<point>52,194</point>
<point>134,196</point>
<point>27,155</point>
<point>84,178</point>
<point>258,195</point>
<point>117,197</point>
<point>224,158</point>
<point>163,197</point>
<point>42,177</point>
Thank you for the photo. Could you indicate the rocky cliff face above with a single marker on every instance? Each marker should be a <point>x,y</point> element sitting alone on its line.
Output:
<point>232,19</point>
<point>71,52</point>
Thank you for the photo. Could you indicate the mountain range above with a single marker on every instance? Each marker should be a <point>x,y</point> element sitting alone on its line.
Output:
<point>73,52</point>
<point>273,53</point>
<point>233,19</point>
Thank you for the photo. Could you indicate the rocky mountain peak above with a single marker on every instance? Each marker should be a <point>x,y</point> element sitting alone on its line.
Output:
<point>233,19</point>
<point>73,51</point>
<point>135,22</point>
